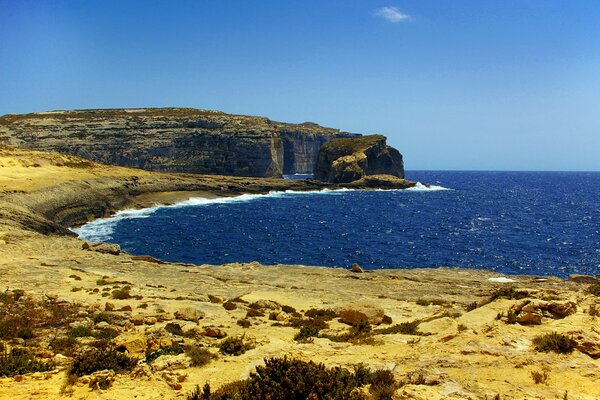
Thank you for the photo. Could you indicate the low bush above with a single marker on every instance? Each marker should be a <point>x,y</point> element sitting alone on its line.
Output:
<point>508,293</point>
<point>21,361</point>
<point>80,331</point>
<point>539,377</point>
<point>169,350</point>
<point>235,346</point>
<point>64,345</point>
<point>229,305</point>
<point>200,356</point>
<point>283,378</point>
<point>405,328</point>
<point>121,294</point>
<point>306,334</point>
<point>105,357</point>
<point>594,289</point>
<point>555,342</point>
<point>321,313</point>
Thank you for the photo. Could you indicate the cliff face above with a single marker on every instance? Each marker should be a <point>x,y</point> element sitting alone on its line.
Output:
<point>173,140</point>
<point>350,159</point>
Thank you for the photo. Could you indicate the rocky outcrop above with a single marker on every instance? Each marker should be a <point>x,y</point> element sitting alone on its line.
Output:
<point>350,159</point>
<point>173,140</point>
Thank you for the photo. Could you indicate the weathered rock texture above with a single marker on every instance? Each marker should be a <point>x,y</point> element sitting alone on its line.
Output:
<point>173,140</point>
<point>350,159</point>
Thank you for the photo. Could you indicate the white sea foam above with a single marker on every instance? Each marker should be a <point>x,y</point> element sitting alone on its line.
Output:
<point>419,187</point>
<point>501,279</point>
<point>101,230</point>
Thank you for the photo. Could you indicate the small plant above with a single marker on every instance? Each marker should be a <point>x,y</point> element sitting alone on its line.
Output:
<point>65,345</point>
<point>423,302</point>
<point>254,313</point>
<point>511,317</point>
<point>229,305</point>
<point>555,342</point>
<point>306,334</point>
<point>244,323</point>
<point>121,294</point>
<point>20,361</point>
<point>199,355</point>
<point>319,313</point>
<point>508,293</point>
<point>405,328</point>
<point>105,357</point>
<point>75,277</point>
<point>539,377</point>
<point>103,282</point>
<point>169,350</point>
<point>80,331</point>
<point>594,289</point>
<point>288,309</point>
<point>593,310</point>
<point>472,306</point>
<point>235,346</point>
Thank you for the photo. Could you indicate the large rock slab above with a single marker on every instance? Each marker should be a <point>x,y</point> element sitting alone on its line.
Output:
<point>345,160</point>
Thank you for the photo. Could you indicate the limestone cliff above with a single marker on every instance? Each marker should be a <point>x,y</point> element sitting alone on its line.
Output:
<point>173,140</point>
<point>350,159</point>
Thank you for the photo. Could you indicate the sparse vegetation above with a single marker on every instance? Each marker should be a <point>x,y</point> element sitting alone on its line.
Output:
<point>405,328</point>
<point>508,293</point>
<point>20,361</point>
<point>423,302</point>
<point>283,378</point>
<point>472,306</point>
<point>200,356</point>
<point>121,294</point>
<point>306,334</point>
<point>105,357</point>
<point>539,377</point>
<point>594,289</point>
<point>555,342</point>
<point>235,346</point>
<point>169,350</point>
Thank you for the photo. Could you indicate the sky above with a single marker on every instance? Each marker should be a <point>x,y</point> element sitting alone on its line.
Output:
<point>454,85</point>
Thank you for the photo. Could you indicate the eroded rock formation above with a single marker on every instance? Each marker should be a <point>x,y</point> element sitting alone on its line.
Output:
<point>350,159</point>
<point>173,140</point>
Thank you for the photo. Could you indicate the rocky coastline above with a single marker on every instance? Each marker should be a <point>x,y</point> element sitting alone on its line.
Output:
<point>473,332</point>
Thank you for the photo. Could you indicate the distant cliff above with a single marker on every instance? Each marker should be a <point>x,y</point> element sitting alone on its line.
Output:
<point>173,140</point>
<point>350,159</point>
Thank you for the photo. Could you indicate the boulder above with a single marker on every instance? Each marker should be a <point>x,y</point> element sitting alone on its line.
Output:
<point>189,314</point>
<point>356,268</point>
<point>365,312</point>
<point>345,160</point>
<point>134,343</point>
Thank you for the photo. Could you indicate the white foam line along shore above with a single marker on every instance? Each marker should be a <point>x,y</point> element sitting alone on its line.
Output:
<point>101,230</point>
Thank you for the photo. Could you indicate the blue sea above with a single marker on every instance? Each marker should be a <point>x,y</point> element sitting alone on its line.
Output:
<point>539,223</point>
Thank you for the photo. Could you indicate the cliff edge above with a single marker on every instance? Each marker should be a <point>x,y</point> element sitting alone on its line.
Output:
<point>346,160</point>
<point>183,140</point>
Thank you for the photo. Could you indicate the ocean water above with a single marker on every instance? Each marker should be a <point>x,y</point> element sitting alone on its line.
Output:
<point>540,223</point>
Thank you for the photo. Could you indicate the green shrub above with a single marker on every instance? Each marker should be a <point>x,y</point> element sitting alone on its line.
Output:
<point>283,378</point>
<point>200,356</point>
<point>65,345</point>
<point>594,289</point>
<point>80,331</point>
<point>235,346</point>
<point>121,294</point>
<point>21,361</point>
<point>320,313</point>
<point>405,328</point>
<point>105,357</point>
<point>169,350</point>
<point>555,342</point>
<point>508,293</point>
<point>306,334</point>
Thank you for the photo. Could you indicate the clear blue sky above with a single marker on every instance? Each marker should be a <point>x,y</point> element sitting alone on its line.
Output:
<point>500,85</point>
